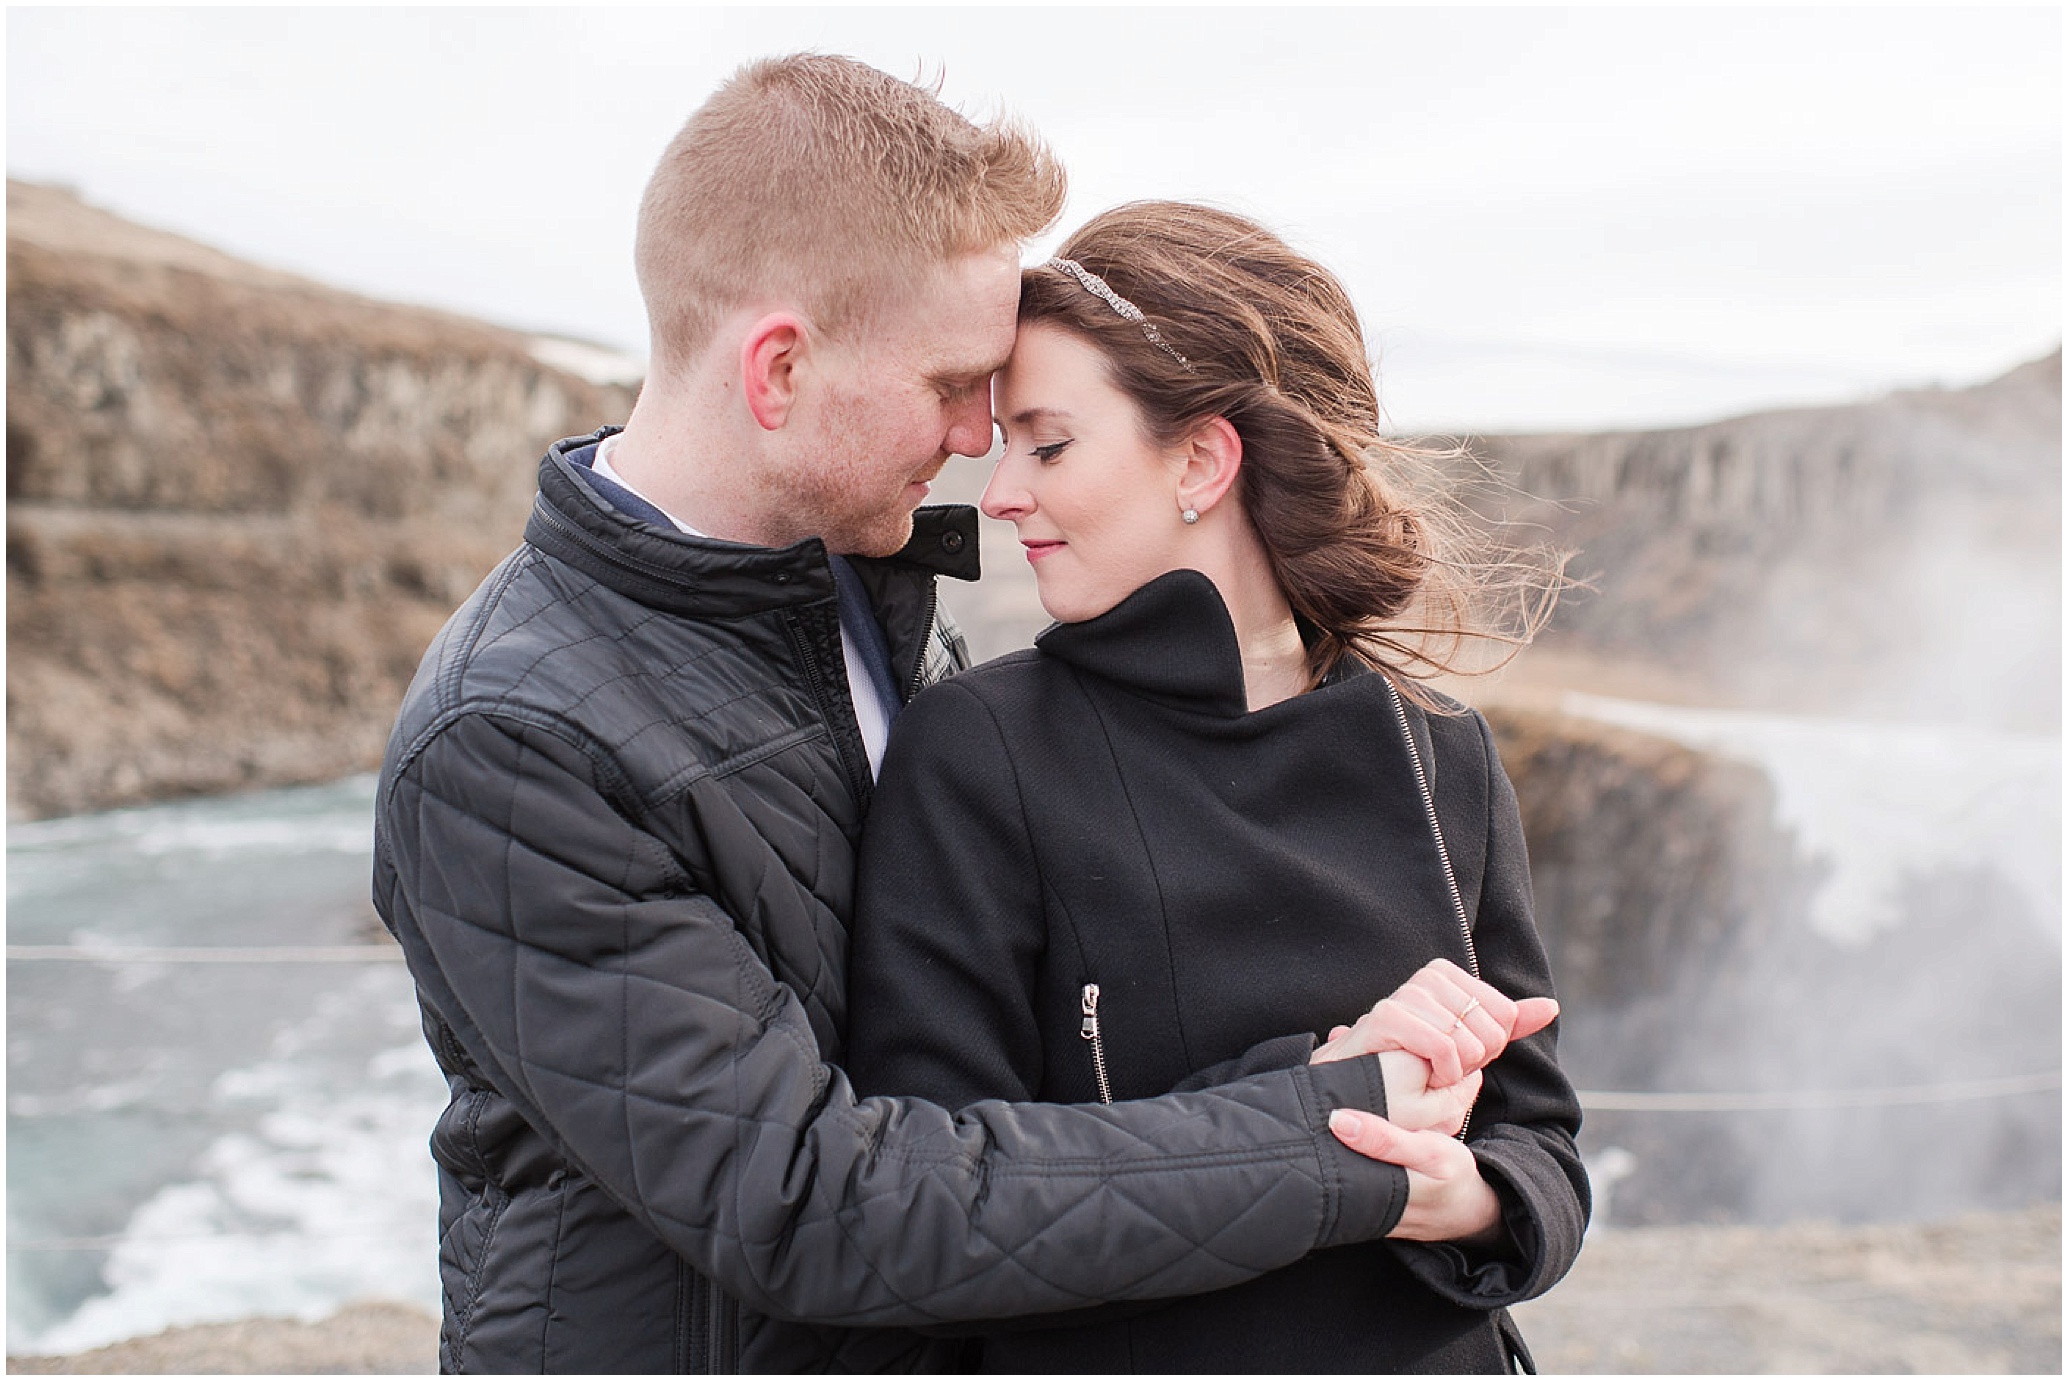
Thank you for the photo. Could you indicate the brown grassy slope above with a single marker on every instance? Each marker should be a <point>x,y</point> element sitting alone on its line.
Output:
<point>239,505</point>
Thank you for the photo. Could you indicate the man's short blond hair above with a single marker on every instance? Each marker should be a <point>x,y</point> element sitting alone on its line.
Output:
<point>821,181</point>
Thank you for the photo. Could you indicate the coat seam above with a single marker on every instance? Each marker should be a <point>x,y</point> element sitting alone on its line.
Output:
<point>1148,857</point>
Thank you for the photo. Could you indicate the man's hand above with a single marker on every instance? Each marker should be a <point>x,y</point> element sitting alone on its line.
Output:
<point>1448,1200</point>
<point>1447,1017</point>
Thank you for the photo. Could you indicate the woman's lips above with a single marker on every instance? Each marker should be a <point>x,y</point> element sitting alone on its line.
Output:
<point>1037,550</point>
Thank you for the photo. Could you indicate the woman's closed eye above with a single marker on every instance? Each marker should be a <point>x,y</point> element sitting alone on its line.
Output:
<point>1046,454</point>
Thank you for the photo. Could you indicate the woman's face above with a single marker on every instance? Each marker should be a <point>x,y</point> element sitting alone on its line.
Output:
<point>1094,498</point>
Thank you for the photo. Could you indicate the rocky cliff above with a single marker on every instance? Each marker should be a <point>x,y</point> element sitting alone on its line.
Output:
<point>1899,557</point>
<point>239,505</point>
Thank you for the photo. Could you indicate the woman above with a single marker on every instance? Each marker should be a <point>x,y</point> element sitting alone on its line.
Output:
<point>1211,805</point>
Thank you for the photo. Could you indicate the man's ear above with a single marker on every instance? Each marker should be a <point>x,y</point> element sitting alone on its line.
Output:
<point>771,354</point>
<point>1213,458</point>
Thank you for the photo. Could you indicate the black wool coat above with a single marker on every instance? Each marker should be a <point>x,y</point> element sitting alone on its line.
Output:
<point>1104,810</point>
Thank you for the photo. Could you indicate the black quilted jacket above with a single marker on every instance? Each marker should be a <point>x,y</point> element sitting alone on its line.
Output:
<point>615,836</point>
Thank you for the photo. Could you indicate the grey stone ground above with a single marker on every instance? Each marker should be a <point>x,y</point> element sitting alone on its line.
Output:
<point>1972,1294</point>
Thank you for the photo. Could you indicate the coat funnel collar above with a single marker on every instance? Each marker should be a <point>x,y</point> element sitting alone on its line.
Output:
<point>1172,641</point>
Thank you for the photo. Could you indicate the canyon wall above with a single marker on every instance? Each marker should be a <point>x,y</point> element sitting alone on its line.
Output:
<point>1897,558</point>
<point>238,506</point>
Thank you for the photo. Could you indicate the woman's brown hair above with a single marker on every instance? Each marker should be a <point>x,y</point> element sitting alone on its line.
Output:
<point>1362,532</point>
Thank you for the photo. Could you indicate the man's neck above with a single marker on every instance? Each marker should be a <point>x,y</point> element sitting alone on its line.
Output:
<point>605,467</point>
<point>694,473</point>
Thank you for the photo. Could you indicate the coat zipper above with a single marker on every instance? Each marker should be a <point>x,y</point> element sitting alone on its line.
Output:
<point>1450,876</point>
<point>1090,1031</point>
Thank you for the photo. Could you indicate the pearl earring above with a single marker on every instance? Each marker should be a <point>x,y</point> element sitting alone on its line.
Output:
<point>1190,514</point>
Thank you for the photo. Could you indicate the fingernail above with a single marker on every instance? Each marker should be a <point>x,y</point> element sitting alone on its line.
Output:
<point>1344,1125</point>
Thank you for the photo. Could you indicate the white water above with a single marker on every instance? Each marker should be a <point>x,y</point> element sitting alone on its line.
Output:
<point>325,1198</point>
<point>193,1143</point>
<point>1880,804</point>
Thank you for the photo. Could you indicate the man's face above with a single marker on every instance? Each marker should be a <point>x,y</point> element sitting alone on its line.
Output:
<point>905,392</point>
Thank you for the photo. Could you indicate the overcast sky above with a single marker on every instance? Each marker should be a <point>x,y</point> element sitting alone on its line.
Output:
<point>1549,218</point>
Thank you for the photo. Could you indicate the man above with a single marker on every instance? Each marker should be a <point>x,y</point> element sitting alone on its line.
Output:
<point>617,818</point>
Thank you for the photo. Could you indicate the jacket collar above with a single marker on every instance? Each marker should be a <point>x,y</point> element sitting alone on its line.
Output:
<point>702,576</point>
<point>1172,641</point>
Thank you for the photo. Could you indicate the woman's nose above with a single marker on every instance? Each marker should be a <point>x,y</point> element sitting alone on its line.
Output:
<point>1004,499</point>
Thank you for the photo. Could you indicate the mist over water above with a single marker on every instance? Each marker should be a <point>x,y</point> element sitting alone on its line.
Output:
<point>1879,807</point>
<point>1895,980</point>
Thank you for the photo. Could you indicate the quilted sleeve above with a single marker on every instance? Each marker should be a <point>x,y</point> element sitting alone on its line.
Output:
<point>629,1021</point>
<point>1524,1125</point>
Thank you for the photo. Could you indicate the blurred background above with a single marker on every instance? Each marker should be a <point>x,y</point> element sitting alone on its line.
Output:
<point>1759,312</point>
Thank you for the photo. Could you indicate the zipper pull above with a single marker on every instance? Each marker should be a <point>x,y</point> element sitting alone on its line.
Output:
<point>1090,1029</point>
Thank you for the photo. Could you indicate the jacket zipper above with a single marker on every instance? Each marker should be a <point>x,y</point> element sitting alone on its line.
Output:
<point>725,1343</point>
<point>857,781</point>
<point>857,778</point>
<point>713,1343</point>
<point>1450,876</point>
<point>695,1310</point>
<point>1090,1031</point>
<point>933,605</point>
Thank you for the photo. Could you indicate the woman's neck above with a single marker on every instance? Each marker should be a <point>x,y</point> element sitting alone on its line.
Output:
<point>1274,657</point>
<point>1274,663</point>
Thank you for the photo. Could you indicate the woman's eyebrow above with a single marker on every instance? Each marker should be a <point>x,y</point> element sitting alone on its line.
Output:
<point>1026,415</point>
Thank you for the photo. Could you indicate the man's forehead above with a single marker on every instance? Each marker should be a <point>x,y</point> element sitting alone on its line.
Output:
<point>969,359</point>
<point>961,316</point>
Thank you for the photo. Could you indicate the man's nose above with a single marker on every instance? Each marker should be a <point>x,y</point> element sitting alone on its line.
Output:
<point>969,429</point>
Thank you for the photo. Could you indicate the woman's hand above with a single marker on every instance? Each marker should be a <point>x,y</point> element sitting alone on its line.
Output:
<point>1414,1104</point>
<point>1448,1200</point>
<point>1447,1017</point>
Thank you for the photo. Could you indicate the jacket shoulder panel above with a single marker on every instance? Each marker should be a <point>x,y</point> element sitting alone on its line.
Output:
<point>669,701</point>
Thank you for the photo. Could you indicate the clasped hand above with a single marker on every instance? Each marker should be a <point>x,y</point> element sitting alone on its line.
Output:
<point>1433,1036</point>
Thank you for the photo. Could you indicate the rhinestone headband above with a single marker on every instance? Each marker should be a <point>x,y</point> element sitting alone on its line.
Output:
<point>1099,288</point>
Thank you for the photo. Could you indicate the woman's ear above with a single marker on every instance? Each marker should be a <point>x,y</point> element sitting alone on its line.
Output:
<point>1212,459</point>
<point>771,355</point>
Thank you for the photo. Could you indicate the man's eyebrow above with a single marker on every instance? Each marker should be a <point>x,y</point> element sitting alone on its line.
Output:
<point>956,374</point>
